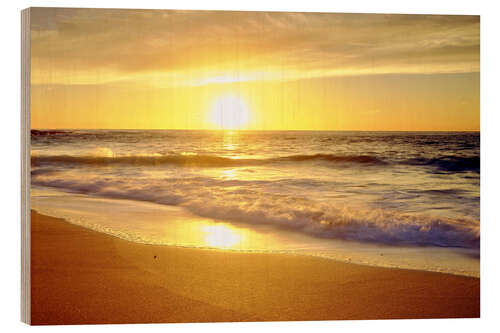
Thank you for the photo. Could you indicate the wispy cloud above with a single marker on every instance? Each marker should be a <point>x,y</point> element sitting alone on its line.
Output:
<point>207,47</point>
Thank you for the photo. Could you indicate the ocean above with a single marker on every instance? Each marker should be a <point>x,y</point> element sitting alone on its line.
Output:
<point>394,199</point>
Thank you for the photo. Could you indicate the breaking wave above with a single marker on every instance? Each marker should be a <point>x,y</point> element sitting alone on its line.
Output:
<point>320,219</point>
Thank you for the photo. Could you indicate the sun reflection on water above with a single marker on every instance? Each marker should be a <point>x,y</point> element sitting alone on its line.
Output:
<point>230,141</point>
<point>229,174</point>
<point>221,236</point>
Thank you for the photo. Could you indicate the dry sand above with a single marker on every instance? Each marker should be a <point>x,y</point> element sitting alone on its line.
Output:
<point>80,277</point>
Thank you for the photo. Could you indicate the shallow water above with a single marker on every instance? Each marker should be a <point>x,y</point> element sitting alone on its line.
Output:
<point>410,194</point>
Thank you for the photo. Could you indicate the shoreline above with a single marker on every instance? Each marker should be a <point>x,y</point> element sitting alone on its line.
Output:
<point>384,249</point>
<point>247,251</point>
<point>82,276</point>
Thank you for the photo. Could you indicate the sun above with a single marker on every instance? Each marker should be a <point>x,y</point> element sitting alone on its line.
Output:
<point>229,112</point>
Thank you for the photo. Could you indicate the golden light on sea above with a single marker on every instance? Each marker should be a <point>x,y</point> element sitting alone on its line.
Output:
<point>223,237</point>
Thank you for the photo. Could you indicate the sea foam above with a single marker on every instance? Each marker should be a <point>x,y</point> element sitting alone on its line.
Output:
<point>231,201</point>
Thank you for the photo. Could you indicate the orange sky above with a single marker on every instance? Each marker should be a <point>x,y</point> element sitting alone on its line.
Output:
<point>167,69</point>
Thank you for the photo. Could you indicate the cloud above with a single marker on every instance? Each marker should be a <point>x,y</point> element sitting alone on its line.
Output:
<point>89,45</point>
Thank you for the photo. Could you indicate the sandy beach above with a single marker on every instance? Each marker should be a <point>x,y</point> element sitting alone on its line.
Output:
<point>80,276</point>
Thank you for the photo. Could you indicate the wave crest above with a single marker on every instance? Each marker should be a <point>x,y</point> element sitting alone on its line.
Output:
<point>363,159</point>
<point>450,163</point>
<point>197,160</point>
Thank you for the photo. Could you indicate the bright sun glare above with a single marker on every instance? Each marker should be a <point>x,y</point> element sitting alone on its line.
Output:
<point>229,112</point>
<point>221,236</point>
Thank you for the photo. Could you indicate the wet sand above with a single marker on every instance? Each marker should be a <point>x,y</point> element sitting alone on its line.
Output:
<point>79,276</point>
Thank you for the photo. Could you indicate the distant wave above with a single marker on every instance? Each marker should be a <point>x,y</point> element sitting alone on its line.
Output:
<point>186,160</point>
<point>362,159</point>
<point>449,163</point>
<point>47,132</point>
<point>443,164</point>
<point>199,160</point>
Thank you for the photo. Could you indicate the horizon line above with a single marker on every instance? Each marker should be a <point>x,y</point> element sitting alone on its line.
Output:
<point>242,130</point>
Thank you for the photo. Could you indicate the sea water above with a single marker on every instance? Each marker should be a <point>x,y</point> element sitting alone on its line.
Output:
<point>395,199</point>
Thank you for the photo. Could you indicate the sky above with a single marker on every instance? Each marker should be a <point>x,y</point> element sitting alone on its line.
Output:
<point>161,69</point>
